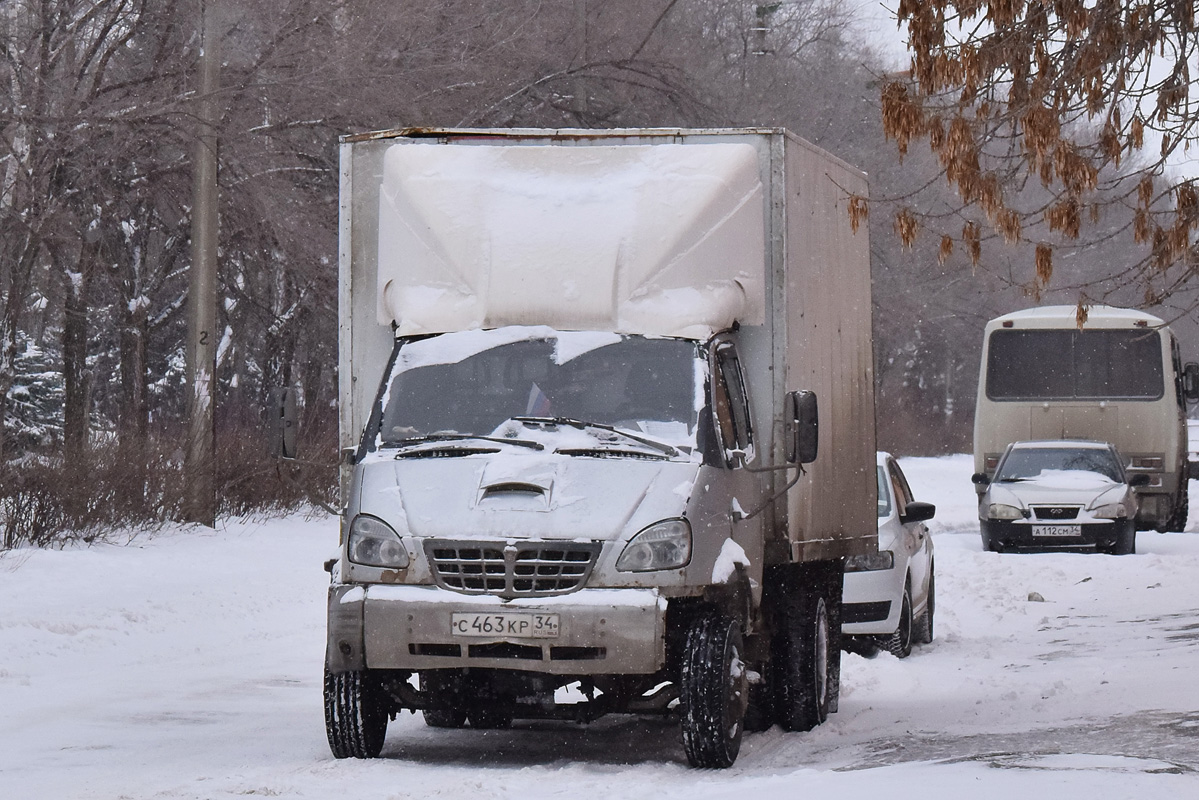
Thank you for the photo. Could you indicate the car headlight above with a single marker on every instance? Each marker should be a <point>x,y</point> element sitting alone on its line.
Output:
<point>883,559</point>
<point>663,545</point>
<point>373,543</point>
<point>1002,511</point>
<point>1111,511</point>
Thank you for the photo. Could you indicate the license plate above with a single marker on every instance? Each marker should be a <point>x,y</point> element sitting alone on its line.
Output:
<point>530,626</point>
<point>1056,530</point>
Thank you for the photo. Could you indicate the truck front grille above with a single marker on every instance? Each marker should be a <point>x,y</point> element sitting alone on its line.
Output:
<point>515,569</point>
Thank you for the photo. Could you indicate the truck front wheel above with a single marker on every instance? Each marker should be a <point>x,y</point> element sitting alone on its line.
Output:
<point>355,714</point>
<point>713,691</point>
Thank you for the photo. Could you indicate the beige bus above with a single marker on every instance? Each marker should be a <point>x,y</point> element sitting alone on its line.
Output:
<point>1118,378</point>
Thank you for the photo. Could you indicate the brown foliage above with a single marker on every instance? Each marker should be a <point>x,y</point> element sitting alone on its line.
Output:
<point>859,211</point>
<point>907,225</point>
<point>1052,77</point>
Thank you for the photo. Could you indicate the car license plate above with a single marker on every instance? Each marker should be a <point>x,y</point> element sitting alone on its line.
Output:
<point>1056,530</point>
<point>532,626</point>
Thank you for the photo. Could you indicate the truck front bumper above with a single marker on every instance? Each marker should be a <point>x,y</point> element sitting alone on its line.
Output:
<point>588,632</point>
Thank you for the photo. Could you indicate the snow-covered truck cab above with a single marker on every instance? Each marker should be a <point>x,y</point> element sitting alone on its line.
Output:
<point>1117,377</point>
<point>577,482</point>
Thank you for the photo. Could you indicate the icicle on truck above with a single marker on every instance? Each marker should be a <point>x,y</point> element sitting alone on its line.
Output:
<point>584,468</point>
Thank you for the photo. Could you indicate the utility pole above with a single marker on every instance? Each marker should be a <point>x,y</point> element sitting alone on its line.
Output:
<point>200,465</point>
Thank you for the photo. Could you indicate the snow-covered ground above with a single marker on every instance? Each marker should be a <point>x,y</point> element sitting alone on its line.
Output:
<point>187,665</point>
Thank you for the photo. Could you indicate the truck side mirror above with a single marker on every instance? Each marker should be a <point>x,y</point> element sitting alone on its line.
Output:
<point>282,423</point>
<point>1190,382</point>
<point>980,479</point>
<point>801,427</point>
<point>1140,479</point>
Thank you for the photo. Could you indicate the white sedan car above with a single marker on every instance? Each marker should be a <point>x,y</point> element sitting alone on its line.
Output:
<point>889,595</point>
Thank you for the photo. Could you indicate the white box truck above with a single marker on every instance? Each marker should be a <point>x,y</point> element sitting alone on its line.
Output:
<point>1118,377</point>
<point>585,474</point>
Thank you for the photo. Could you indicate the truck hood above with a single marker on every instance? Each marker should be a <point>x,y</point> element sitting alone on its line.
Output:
<point>525,496</point>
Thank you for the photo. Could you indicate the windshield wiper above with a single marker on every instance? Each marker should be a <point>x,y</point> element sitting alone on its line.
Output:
<point>1012,480</point>
<point>459,437</point>
<point>583,424</point>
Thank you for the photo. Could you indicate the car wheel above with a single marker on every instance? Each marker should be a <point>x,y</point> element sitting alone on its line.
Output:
<point>355,714</point>
<point>924,625</point>
<point>865,645</point>
<point>713,691</point>
<point>900,643</point>
<point>990,544</point>
<point>1126,541</point>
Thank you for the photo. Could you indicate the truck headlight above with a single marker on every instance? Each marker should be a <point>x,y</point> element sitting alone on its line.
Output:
<point>373,543</point>
<point>1002,511</point>
<point>1111,511</point>
<point>663,545</point>
<point>883,559</point>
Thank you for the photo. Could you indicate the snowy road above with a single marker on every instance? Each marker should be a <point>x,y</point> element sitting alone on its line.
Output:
<point>187,666</point>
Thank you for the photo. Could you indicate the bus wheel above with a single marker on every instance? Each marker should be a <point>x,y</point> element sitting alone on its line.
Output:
<point>1178,517</point>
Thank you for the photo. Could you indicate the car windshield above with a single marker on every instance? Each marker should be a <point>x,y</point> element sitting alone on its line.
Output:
<point>475,383</point>
<point>1029,463</point>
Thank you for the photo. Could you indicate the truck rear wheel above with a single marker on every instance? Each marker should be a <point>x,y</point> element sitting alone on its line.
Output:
<point>355,714</point>
<point>713,691</point>
<point>801,660</point>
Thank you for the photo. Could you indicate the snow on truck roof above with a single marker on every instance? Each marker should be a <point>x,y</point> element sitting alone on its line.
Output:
<point>1066,317</point>
<point>662,239</point>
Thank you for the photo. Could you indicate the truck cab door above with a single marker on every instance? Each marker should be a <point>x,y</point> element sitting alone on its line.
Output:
<point>735,442</point>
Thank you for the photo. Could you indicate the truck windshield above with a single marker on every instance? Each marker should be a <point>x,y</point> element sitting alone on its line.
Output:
<point>472,383</point>
<point>1074,365</point>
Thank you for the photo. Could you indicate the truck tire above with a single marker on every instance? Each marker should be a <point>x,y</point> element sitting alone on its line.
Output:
<point>443,690</point>
<point>713,691</point>
<point>355,714</point>
<point>801,655</point>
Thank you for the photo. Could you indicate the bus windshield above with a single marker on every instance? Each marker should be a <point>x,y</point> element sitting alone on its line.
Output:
<point>1074,365</point>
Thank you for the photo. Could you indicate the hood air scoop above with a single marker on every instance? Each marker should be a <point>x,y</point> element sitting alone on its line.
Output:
<point>515,495</point>
<point>513,487</point>
<point>516,484</point>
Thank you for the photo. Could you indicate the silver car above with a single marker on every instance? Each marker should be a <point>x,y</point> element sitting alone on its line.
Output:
<point>889,595</point>
<point>1059,494</point>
